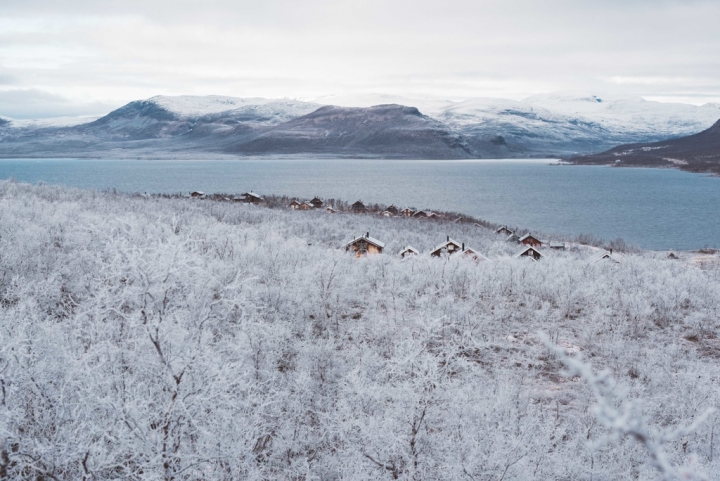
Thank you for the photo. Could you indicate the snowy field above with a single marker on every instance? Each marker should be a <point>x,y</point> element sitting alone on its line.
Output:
<point>160,338</point>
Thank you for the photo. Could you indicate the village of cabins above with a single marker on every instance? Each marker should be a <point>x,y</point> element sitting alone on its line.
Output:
<point>366,245</point>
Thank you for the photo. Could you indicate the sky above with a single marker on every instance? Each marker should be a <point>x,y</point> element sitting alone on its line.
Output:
<point>87,57</point>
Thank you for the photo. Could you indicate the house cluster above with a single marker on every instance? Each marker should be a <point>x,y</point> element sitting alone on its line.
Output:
<point>360,208</point>
<point>248,197</point>
<point>366,245</point>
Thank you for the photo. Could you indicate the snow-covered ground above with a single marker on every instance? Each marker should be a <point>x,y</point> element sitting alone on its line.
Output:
<point>171,338</point>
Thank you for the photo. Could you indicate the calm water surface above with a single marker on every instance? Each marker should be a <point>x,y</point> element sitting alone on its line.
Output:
<point>652,208</point>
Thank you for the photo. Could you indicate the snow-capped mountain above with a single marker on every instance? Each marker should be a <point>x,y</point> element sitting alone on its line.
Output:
<point>558,124</point>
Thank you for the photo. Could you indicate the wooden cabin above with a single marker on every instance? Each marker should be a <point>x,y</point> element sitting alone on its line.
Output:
<point>672,256</point>
<point>449,247</point>
<point>409,251</point>
<point>531,252</point>
<point>473,254</point>
<point>407,212</point>
<point>306,206</point>
<point>503,230</point>
<point>529,240</point>
<point>358,207</point>
<point>604,256</point>
<point>252,198</point>
<point>386,213</point>
<point>557,245</point>
<point>294,205</point>
<point>364,245</point>
<point>197,194</point>
<point>393,210</point>
<point>420,214</point>
<point>317,202</point>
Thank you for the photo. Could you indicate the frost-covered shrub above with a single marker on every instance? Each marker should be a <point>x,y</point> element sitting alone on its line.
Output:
<point>166,338</point>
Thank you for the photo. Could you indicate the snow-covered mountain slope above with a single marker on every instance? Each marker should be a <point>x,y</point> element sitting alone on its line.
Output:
<point>559,124</point>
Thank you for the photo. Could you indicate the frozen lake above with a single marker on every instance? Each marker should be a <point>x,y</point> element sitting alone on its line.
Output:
<point>652,208</point>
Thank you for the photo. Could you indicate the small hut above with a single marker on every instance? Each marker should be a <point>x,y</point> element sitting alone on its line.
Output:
<point>557,245</point>
<point>306,206</point>
<point>672,256</point>
<point>407,212</point>
<point>330,210</point>
<point>530,252</point>
<point>420,214</point>
<point>317,202</point>
<point>386,213</point>
<point>197,194</point>
<point>449,247</point>
<point>473,254</point>
<point>393,210</point>
<point>409,251</point>
<point>252,198</point>
<point>294,205</point>
<point>364,245</point>
<point>529,240</point>
<point>604,256</point>
<point>503,230</point>
<point>358,207</point>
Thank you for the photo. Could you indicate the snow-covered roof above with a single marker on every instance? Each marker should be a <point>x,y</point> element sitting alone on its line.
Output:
<point>500,229</point>
<point>445,244</point>
<point>410,249</point>
<point>512,237</point>
<point>604,255</point>
<point>368,239</point>
<point>528,236</point>
<point>526,250</point>
<point>556,244</point>
<point>472,252</point>
<point>252,194</point>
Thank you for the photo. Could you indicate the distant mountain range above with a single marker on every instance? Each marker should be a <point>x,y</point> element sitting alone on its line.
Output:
<point>696,153</point>
<point>378,126</point>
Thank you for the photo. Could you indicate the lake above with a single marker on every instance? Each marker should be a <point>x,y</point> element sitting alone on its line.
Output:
<point>651,208</point>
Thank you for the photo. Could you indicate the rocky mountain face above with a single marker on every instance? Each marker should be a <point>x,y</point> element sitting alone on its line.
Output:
<point>360,126</point>
<point>695,153</point>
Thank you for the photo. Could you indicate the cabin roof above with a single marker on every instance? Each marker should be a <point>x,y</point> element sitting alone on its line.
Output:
<point>410,249</point>
<point>500,229</point>
<point>473,252</point>
<point>557,244</point>
<point>252,194</point>
<point>529,248</point>
<point>529,236</point>
<point>445,244</point>
<point>604,255</point>
<point>295,202</point>
<point>197,192</point>
<point>371,240</point>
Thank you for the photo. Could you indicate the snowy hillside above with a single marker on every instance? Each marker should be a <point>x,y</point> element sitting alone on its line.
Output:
<point>177,338</point>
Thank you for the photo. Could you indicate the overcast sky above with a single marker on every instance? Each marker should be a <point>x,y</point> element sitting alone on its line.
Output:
<point>85,57</point>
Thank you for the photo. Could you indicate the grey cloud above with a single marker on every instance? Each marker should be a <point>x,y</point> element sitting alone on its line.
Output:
<point>35,104</point>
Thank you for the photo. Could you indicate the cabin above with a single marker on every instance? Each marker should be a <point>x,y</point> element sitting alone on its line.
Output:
<point>432,215</point>
<point>251,198</point>
<point>503,230</point>
<point>530,252</point>
<point>330,210</point>
<point>197,194</point>
<point>306,206</point>
<point>672,256</point>
<point>294,205</point>
<point>393,210</point>
<point>449,247</point>
<point>557,245</point>
<point>513,238</point>
<point>358,207</point>
<point>473,254</point>
<point>317,202</point>
<point>603,256</point>
<point>387,213</point>
<point>407,212</point>
<point>364,245</point>
<point>529,240</point>
<point>409,251</point>
<point>420,214</point>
